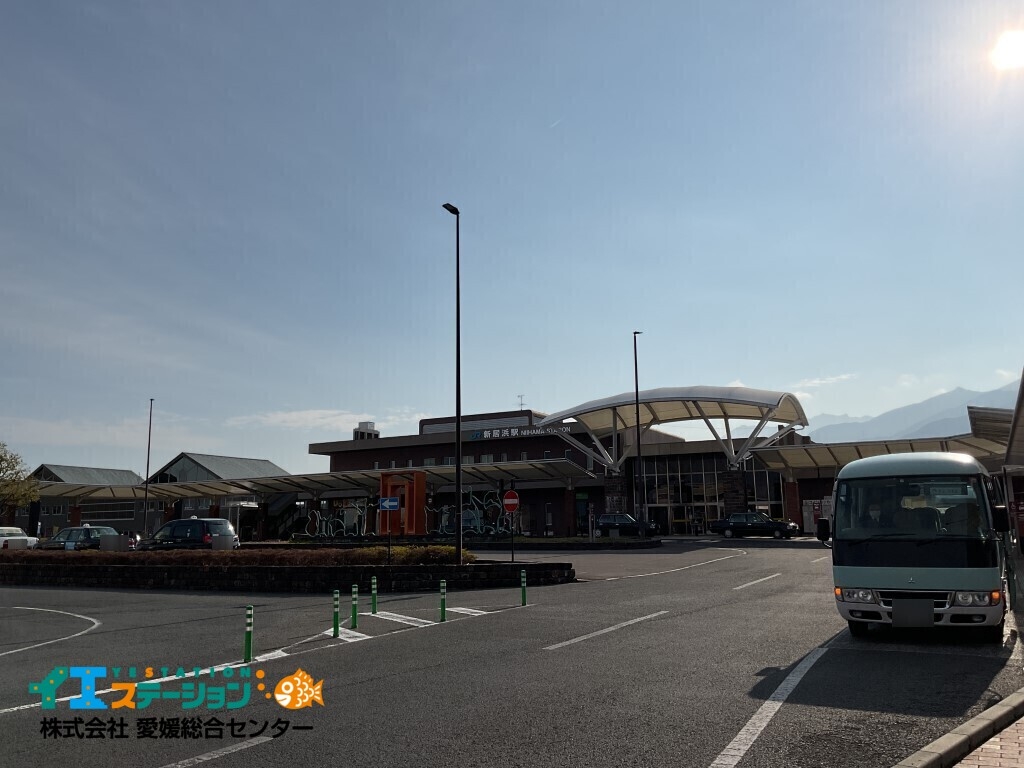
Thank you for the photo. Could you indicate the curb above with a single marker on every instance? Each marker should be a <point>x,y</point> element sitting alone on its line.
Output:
<point>948,750</point>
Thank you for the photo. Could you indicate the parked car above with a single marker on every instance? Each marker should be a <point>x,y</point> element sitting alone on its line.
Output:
<point>189,533</point>
<point>78,537</point>
<point>10,534</point>
<point>753,524</point>
<point>626,525</point>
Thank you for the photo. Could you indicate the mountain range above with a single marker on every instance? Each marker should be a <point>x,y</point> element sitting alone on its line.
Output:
<point>944,415</point>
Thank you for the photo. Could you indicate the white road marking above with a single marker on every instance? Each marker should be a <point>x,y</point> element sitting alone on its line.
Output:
<point>467,611</point>
<point>745,739</point>
<point>348,635</point>
<point>95,623</point>
<point>278,654</point>
<point>826,557</point>
<point>603,631</point>
<point>673,570</point>
<point>412,621</point>
<point>752,583</point>
<point>219,752</point>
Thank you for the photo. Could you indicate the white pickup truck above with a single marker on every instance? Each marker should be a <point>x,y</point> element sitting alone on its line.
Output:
<point>9,535</point>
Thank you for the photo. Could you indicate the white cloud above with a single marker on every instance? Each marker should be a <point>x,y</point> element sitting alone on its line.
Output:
<point>1006,375</point>
<point>398,419</point>
<point>309,419</point>
<point>907,380</point>
<point>126,433</point>
<point>804,395</point>
<point>120,444</point>
<point>825,380</point>
<point>735,383</point>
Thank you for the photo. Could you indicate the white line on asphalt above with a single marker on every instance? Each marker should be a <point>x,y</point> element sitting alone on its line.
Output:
<point>410,620</point>
<point>752,583</point>
<point>603,631</point>
<point>278,654</point>
<point>672,570</point>
<point>745,739</point>
<point>219,752</point>
<point>826,557</point>
<point>348,635</point>
<point>467,611</point>
<point>95,623</point>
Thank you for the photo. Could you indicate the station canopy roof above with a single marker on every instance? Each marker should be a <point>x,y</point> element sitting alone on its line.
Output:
<point>1015,441</point>
<point>362,481</point>
<point>618,414</point>
<point>669,404</point>
<point>832,456</point>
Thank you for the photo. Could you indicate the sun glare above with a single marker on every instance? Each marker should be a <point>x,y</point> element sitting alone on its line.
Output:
<point>1009,51</point>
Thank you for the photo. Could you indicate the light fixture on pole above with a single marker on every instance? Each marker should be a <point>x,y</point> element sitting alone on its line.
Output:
<point>149,443</point>
<point>458,393</point>
<point>640,495</point>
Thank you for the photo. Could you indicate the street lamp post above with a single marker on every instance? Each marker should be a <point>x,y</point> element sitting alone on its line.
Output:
<point>149,443</point>
<point>639,456</point>
<point>458,393</point>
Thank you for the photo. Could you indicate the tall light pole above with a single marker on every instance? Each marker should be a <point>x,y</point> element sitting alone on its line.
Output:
<point>458,393</point>
<point>149,443</point>
<point>639,455</point>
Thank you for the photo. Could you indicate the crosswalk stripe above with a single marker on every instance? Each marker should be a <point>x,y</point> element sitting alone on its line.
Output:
<point>410,620</point>
<point>467,611</point>
<point>348,635</point>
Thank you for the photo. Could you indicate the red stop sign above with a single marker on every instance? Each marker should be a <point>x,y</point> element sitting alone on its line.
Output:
<point>510,501</point>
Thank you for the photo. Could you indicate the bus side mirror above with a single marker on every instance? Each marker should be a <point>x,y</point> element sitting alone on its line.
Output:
<point>1000,520</point>
<point>824,532</point>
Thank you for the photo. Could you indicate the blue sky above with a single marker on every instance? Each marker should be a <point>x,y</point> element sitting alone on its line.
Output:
<point>234,208</point>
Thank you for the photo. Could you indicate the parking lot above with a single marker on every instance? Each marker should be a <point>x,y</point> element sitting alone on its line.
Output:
<point>675,656</point>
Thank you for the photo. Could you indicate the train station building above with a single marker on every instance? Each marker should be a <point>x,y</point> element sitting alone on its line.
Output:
<point>605,456</point>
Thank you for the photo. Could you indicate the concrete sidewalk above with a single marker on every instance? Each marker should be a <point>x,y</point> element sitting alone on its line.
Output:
<point>1003,750</point>
<point>994,739</point>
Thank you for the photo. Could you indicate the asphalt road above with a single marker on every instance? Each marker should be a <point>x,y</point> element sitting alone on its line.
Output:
<point>684,656</point>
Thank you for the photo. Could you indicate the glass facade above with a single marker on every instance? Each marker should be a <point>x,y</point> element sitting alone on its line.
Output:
<point>684,492</point>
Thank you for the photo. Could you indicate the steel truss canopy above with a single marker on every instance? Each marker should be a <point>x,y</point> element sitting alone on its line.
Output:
<point>617,416</point>
<point>364,482</point>
<point>831,457</point>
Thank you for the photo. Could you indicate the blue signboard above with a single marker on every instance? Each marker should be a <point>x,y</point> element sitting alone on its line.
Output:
<point>389,503</point>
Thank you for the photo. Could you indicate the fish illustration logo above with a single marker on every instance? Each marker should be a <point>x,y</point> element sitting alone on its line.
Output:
<point>297,691</point>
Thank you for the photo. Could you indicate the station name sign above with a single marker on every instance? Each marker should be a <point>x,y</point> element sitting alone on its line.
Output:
<point>490,434</point>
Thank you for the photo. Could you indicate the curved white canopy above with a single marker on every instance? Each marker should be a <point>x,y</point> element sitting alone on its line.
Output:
<point>670,404</point>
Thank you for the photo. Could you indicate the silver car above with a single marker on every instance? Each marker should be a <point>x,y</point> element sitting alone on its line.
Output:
<point>9,534</point>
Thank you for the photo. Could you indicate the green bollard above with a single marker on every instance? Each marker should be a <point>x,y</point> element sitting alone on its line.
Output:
<point>337,612</point>
<point>248,634</point>
<point>522,583</point>
<point>444,590</point>
<point>355,606</point>
<point>373,594</point>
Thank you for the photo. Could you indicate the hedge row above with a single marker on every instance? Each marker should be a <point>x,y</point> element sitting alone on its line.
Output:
<point>286,556</point>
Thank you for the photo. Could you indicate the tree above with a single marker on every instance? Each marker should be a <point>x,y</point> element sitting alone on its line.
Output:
<point>17,489</point>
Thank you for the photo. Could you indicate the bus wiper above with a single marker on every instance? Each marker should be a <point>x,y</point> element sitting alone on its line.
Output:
<point>876,537</point>
<point>954,537</point>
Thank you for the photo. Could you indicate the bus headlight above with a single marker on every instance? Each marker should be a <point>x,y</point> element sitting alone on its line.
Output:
<point>965,599</point>
<point>855,595</point>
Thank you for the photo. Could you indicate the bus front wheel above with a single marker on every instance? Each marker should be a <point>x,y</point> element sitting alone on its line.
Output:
<point>994,634</point>
<point>858,628</point>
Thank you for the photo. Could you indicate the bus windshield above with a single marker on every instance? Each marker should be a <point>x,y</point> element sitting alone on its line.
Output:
<point>911,508</point>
